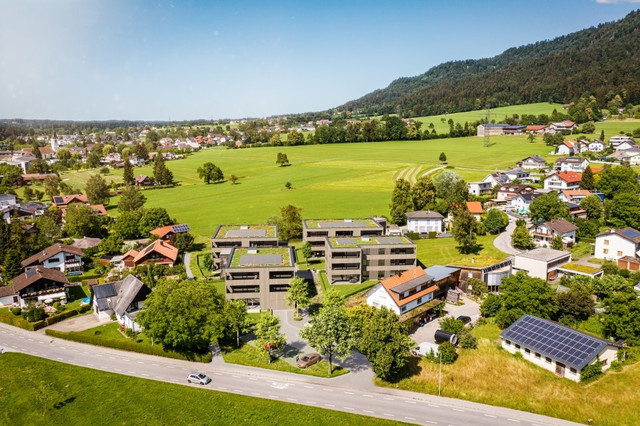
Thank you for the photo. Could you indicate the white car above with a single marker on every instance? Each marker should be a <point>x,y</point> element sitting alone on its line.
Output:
<point>199,378</point>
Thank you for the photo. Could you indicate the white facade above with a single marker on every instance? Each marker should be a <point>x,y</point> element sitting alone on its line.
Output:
<point>379,297</point>
<point>623,146</point>
<point>596,146</point>
<point>531,163</point>
<point>543,235</point>
<point>64,262</point>
<point>553,182</point>
<point>540,268</point>
<point>478,188</point>
<point>606,356</point>
<point>563,149</point>
<point>9,300</point>
<point>424,225</point>
<point>576,165</point>
<point>612,246</point>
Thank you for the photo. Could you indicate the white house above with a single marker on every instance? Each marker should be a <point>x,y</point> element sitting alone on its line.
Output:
<point>562,180</point>
<point>36,284</point>
<point>61,257</point>
<point>566,148</point>
<point>567,125</point>
<point>571,164</point>
<point>522,175</point>
<point>403,293</point>
<point>596,146</point>
<point>618,139</point>
<point>507,191</point>
<point>534,162</point>
<point>541,262</point>
<point>625,145</point>
<point>617,243</point>
<point>544,233</point>
<point>123,298</point>
<point>522,202</point>
<point>479,188</point>
<point>424,221</point>
<point>556,347</point>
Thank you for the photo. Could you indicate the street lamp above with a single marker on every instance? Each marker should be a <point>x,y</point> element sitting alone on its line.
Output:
<point>440,374</point>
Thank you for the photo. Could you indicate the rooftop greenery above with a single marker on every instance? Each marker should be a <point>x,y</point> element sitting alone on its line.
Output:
<point>222,232</point>
<point>242,251</point>
<point>358,241</point>
<point>315,223</point>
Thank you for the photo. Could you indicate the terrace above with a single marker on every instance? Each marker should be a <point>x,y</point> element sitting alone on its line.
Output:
<point>246,231</point>
<point>340,223</point>
<point>243,257</point>
<point>360,241</point>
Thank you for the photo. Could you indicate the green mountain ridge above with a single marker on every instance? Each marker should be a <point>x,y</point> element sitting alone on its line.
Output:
<point>602,61</point>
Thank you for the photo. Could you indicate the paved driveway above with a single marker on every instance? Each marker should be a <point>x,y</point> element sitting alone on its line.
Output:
<point>77,323</point>
<point>426,332</point>
<point>503,241</point>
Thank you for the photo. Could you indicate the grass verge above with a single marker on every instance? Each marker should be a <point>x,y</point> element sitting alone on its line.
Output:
<point>40,391</point>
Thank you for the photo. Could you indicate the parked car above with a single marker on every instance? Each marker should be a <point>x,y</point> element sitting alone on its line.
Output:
<point>308,360</point>
<point>199,378</point>
<point>465,319</point>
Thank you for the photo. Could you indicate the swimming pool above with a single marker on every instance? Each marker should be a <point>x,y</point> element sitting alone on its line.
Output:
<point>86,300</point>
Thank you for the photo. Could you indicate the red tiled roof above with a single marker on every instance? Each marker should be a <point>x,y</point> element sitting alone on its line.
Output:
<point>396,280</point>
<point>474,207</point>
<point>536,127</point>
<point>66,199</point>
<point>159,246</point>
<point>570,177</point>
<point>36,274</point>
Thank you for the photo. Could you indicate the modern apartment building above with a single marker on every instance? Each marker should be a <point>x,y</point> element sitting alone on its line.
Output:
<point>260,276</point>
<point>227,237</point>
<point>316,231</point>
<point>357,259</point>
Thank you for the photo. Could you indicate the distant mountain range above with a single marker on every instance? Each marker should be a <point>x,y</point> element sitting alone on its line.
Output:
<point>602,61</point>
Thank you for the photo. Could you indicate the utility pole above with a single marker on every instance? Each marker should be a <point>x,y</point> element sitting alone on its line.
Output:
<point>487,137</point>
<point>440,375</point>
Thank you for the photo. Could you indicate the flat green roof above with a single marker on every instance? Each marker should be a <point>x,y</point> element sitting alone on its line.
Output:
<point>340,223</point>
<point>346,242</point>
<point>474,261</point>
<point>244,257</point>
<point>581,268</point>
<point>246,231</point>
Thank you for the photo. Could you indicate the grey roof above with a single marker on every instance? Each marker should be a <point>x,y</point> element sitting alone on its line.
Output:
<point>543,253</point>
<point>627,233</point>
<point>406,286</point>
<point>104,291</point>
<point>345,241</point>
<point>355,224</point>
<point>390,240</point>
<point>129,287</point>
<point>246,233</point>
<point>102,304</point>
<point>439,272</point>
<point>424,214</point>
<point>556,341</point>
<point>260,259</point>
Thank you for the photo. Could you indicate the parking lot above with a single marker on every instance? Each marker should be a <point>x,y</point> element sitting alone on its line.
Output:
<point>426,332</point>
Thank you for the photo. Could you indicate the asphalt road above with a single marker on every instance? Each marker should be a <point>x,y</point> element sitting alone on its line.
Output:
<point>503,241</point>
<point>334,394</point>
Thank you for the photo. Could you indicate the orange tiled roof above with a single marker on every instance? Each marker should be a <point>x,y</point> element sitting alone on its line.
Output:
<point>570,177</point>
<point>474,207</point>
<point>159,246</point>
<point>396,280</point>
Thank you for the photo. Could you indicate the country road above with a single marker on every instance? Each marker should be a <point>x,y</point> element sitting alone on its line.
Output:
<point>335,394</point>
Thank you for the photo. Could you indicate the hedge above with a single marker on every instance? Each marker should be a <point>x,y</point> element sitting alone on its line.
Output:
<point>18,321</point>
<point>127,345</point>
<point>81,278</point>
<point>66,314</point>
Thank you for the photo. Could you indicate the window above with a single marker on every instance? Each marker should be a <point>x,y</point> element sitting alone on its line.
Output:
<point>547,359</point>
<point>508,343</point>
<point>469,274</point>
<point>573,370</point>
<point>381,251</point>
<point>381,262</point>
<point>527,351</point>
<point>419,300</point>
<point>404,308</point>
<point>619,253</point>
<point>517,346</point>
<point>605,251</point>
<point>606,242</point>
<point>537,355</point>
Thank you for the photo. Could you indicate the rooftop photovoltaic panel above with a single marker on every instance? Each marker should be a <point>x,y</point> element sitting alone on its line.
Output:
<point>260,259</point>
<point>57,200</point>
<point>341,225</point>
<point>390,240</point>
<point>246,233</point>
<point>566,345</point>
<point>631,233</point>
<point>181,228</point>
<point>30,272</point>
<point>345,241</point>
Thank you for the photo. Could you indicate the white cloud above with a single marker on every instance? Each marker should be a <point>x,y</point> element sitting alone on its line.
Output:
<point>617,1</point>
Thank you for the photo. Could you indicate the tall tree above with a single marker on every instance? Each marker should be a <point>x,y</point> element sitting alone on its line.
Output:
<point>307,251</point>
<point>82,221</point>
<point>235,314</point>
<point>52,185</point>
<point>289,222</point>
<point>522,294</point>
<point>625,210</point>
<point>423,193</point>
<point>97,190</point>
<point>127,173</point>
<point>298,294</point>
<point>401,201</point>
<point>185,315</point>
<point>464,230</point>
<point>443,157</point>
<point>556,243</point>
<point>268,334</point>
<point>445,184</point>
<point>621,319</point>
<point>547,207</point>
<point>593,206</point>
<point>282,159</point>
<point>587,181</point>
<point>161,172</point>
<point>521,238</point>
<point>618,179</point>
<point>330,332</point>
<point>155,217</point>
<point>496,221</point>
<point>131,199</point>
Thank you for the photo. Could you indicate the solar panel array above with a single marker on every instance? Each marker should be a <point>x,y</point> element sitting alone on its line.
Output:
<point>180,228</point>
<point>57,200</point>
<point>631,233</point>
<point>566,345</point>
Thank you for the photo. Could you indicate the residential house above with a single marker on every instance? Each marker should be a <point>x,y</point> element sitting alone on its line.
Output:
<point>36,177</point>
<point>489,270</point>
<point>63,201</point>
<point>168,233</point>
<point>559,181</point>
<point>38,284</point>
<point>541,262</point>
<point>496,179</point>
<point>597,146</point>
<point>112,157</point>
<point>522,202</point>
<point>566,148</point>
<point>518,174</point>
<point>315,231</point>
<point>626,145</point>
<point>86,243</point>
<point>617,243</point>
<point>475,208</point>
<point>124,298</point>
<point>226,237</point>
<point>47,153</point>
<point>143,180</point>
<point>412,294</point>
<point>616,140</point>
<point>577,195</point>
<point>158,253</point>
<point>507,191</point>
<point>358,259</point>
<point>556,347</point>
<point>425,221</point>
<point>259,276</point>
<point>571,164</point>
<point>537,129</point>
<point>60,257</point>
<point>566,125</point>
<point>479,188</point>
<point>491,129</point>
<point>532,163</point>
<point>544,233</point>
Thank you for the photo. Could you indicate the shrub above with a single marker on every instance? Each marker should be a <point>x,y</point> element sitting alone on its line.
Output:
<point>129,345</point>
<point>452,325</point>
<point>56,305</point>
<point>16,311</point>
<point>468,341</point>
<point>64,315</point>
<point>413,236</point>
<point>34,314</point>
<point>113,317</point>
<point>432,235</point>
<point>591,372</point>
<point>447,353</point>
<point>491,305</point>
<point>18,321</point>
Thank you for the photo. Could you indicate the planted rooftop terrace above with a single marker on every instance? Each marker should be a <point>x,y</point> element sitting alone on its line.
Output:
<point>246,231</point>
<point>343,242</point>
<point>263,257</point>
<point>340,223</point>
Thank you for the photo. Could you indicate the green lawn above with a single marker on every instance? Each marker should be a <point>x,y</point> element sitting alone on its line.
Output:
<point>39,391</point>
<point>442,251</point>
<point>249,355</point>
<point>491,375</point>
<point>345,290</point>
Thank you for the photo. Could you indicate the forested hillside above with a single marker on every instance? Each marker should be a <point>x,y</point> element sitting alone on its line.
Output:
<point>602,61</point>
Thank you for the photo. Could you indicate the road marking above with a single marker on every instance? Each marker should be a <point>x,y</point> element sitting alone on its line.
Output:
<point>168,366</point>
<point>368,411</point>
<point>222,388</point>
<point>274,396</point>
<point>430,422</point>
<point>410,402</point>
<point>410,418</point>
<point>433,405</point>
<point>160,377</point>
<point>60,359</point>
<point>389,399</point>
<point>457,409</point>
<point>116,369</point>
<point>217,374</point>
<point>140,362</point>
<point>308,387</point>
<point>348,393</point>
<point>514,420</point>
<point>175,380</point>
<point>490,415</point>
<point>253,378</point>
<point>349,408</point>
<point>90,365</point>
<point>255,393</point>
<point>387,414</point>
<point>132,372</point>
<point>329,405</point>
<point>145,375</point>
<point>112,357</point>
<point>311,402</point>
<point>156,365</point>
<point>367,396</point>
<point>235,375</point>
<point>238,390</point>
<point>327,390</point>
<point>292,399</point>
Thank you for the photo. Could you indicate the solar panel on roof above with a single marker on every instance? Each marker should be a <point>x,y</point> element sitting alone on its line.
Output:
<point>631,233</point>
<point>181,228</point>
<point>57,200</point>
<point>31,272</point>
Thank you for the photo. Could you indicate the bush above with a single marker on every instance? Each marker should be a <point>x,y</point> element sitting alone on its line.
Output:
<point>452,325</point>
<point>18,321</point>
<point>56,305</point>
<point>64,315</point>
<point>34,314</point>
<point>447,353</point>
<point>16,311</point>
<point>128,345</point>
<point>491,306</point>
<point>113,317</point>
<point>432,235</point>
<point>591,372</point>
<point>413,236</point>
<point>468,341</point>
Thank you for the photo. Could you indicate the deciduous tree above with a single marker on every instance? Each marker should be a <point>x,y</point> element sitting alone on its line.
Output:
<point>496,221</point>
<point>155,217</point>
<point>547,207</point>
<point>131,199</point>
<point>593,206</point>
<point>298,294</point>
<point>401,201</point>
<point>97,190</point>
<point>522,294</point>
<point>464,230</point>
<point>587,181</point>
<point>423,193</point>
<point>268,334</point>
<point>235,315</point>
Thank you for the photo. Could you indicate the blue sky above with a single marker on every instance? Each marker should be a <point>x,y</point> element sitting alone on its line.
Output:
<point>162,59</point>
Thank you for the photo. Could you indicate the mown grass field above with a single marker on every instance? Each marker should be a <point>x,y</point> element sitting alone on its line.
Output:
<point>491,375</point>
<point>36,391</point>
<point>442,251</point>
